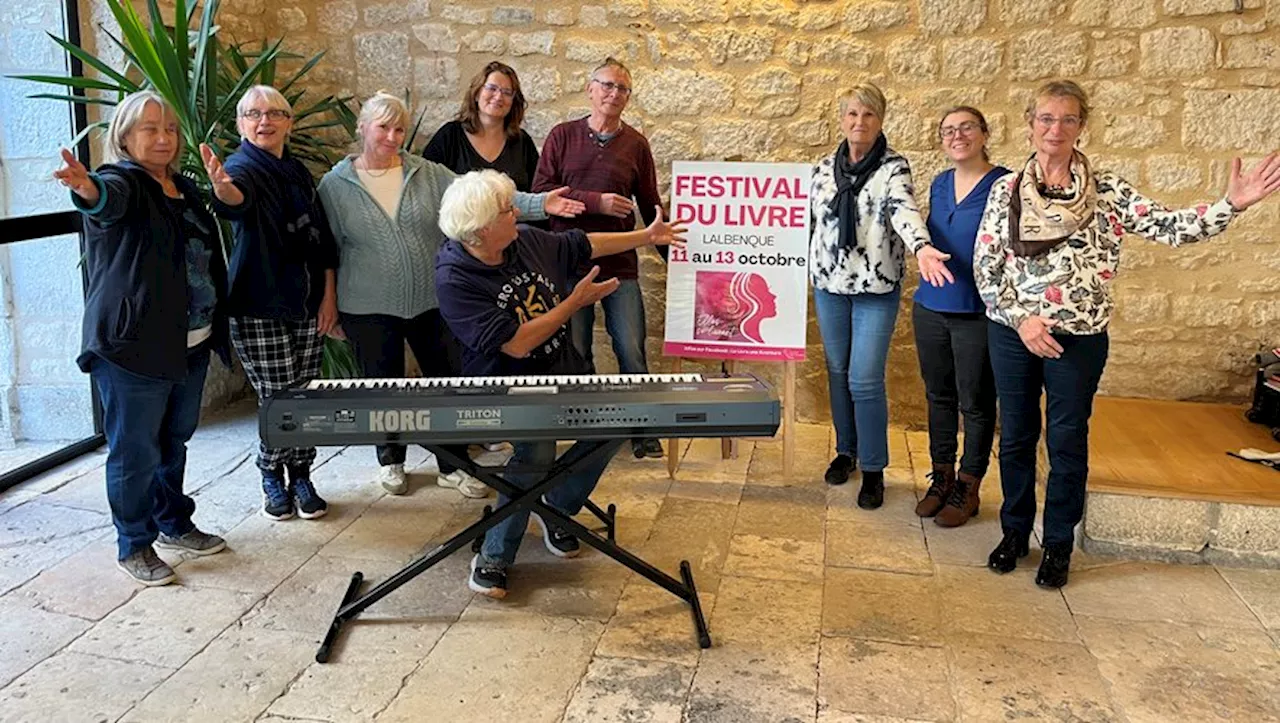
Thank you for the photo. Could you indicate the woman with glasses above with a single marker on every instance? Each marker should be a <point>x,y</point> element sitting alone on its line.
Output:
<point>282,275</point>
<point>487,132</point>
<point>382,204</point>
<point>950,328</point>
<point>864,221</point>
<point>1048,249</point>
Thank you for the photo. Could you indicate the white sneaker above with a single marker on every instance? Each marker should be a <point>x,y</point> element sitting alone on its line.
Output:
<point>391,477</point>
<point>492,455</point>
<point>466,484</point>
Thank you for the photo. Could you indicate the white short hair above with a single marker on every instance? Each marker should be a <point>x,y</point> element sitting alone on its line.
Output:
<point>274,98</point>
<point>128,112</point>
<point>474,201</point>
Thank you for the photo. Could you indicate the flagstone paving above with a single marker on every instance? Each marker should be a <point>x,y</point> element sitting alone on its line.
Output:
<point>819,611</point>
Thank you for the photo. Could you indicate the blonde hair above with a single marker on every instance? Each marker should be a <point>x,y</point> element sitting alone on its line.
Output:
<point>866,94</point>
<point>474,200</point>
<point>128,112</point>
<point>1060,89</point>
<point>383,107</point>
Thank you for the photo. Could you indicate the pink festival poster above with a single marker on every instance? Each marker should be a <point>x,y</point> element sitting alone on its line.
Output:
<point>739,289</point>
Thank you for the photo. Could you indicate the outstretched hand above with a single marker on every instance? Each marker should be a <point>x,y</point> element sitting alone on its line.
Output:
<point>75,176</point>
<point>587,292</point>
<point>223,185</point>
<point>933,267</point>
<point>557,204</point>
<point>213,166</point>
<point>661,233</point>
<point>1246,189</point>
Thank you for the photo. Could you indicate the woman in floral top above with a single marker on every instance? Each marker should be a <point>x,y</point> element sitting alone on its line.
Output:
<point>864,219</point>
<point>1048,247</point>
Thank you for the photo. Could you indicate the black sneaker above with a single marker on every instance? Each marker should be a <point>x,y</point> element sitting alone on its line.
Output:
<point>652,448</point>
<point>1012,546</point>
<point>487,579</point>
<point>559,541</point>
<point>277,503</point>
<point>1054,566</point>
<point>871,496</point>
<point>310,504</point>
<point>839,470</point>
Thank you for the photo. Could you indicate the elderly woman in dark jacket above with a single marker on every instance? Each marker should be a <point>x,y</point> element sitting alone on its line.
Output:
<point>153,313</point>
<point>283,299</point>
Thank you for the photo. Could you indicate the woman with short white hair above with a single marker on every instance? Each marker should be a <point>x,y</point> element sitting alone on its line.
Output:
<point>152,315</point>
<point>282,299</point>
<point>522,332</point>
<point>382,205</point>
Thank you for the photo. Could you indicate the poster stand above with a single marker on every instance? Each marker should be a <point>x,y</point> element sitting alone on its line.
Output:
<point>743,265</point>
<point>729,445</point>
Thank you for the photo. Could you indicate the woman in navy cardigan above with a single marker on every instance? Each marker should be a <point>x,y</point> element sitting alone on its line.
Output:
<point>153,313</point>
<point>950,326</point>
<point>283,298</point>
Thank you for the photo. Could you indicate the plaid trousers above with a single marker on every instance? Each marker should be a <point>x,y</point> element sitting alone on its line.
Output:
<point>278,355</point>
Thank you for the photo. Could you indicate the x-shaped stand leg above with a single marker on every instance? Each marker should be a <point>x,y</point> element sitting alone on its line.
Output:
<point>530,499</point>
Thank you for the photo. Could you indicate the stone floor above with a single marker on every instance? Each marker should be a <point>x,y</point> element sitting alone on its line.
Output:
<point>819,611</point>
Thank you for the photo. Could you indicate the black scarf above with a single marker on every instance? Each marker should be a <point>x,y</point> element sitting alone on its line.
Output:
<point>850,178</point>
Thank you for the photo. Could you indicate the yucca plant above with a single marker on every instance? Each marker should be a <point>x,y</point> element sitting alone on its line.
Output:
<point>203,79</point>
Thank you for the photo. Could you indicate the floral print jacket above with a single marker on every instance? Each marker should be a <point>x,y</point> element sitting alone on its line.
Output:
<point>1072,282</point>
<point>888,220</point>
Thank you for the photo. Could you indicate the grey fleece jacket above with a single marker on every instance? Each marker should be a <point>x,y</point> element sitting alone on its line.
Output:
<point>388,265</point>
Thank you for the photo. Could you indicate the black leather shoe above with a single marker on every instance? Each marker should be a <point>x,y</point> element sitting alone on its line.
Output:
<point>1012,546</point>
<point>1053,566</point>
<point>839,470</point>
<point>871,496</point>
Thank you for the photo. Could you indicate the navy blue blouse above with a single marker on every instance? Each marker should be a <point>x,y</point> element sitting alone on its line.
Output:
<point>953,227</point>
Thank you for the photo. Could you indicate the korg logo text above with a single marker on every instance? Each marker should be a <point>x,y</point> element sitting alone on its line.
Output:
<point>400,420</point>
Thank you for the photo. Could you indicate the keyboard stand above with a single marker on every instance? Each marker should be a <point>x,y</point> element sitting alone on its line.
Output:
<point>554,473</point>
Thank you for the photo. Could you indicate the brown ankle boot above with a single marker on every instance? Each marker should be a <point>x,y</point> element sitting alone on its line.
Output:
<point>962,504</point>
<point>944,479</point>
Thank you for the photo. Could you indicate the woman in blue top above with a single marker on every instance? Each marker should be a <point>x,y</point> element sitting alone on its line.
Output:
<point>950,327</point>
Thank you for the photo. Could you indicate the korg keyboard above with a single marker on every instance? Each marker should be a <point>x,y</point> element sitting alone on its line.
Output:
<point>475,409</point>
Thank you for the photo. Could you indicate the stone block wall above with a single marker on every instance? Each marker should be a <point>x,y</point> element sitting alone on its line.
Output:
<point>1179,87</point>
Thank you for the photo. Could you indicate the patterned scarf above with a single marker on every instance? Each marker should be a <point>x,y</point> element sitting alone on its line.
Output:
<point>1040,219</point>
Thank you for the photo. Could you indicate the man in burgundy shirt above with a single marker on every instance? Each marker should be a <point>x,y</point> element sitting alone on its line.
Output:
<point>607,163</point>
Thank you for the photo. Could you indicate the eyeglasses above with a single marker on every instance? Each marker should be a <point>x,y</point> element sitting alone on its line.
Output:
<point>609,87</point>
<point>274,114</point>
<point>508,210</point>
<point>967,128</point>
<point>1069,122</point>
<point>505,92</point>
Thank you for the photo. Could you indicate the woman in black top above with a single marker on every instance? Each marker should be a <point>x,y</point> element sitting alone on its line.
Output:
<point>153,313</point>
<point>487,132</point>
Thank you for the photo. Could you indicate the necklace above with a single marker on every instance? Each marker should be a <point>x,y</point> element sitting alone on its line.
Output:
<point>380,172</point>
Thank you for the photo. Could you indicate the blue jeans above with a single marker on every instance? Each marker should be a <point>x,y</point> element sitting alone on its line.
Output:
<point>623,319</point>
<point>502,541</point>
<point>1070,383</point>
<point>148,423</point>
<point>856,330</point>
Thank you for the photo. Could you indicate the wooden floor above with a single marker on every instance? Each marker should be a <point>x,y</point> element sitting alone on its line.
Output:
<point>1178,449</point>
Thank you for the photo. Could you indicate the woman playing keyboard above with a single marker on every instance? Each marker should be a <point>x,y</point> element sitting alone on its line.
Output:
<point>504,292</point>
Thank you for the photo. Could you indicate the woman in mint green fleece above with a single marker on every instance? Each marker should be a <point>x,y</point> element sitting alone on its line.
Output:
<point>382,206</point>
